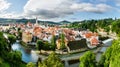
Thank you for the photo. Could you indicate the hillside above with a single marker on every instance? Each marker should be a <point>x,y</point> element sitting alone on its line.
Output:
<point>7,20</point>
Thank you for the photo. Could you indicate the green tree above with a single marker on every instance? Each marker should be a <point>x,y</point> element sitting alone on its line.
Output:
<point>3,46</point>
<point>15,58</point>
<point>102,61</point>
<point>30,64</point>
<point>1,61</point>
<point>42,65</point>
<point>111,56</point>
<point>53,42</point>
<point>115,62</point>
<point>52,61</point>
<point>12,39</point>
<point>88,60</point>
<point>40,45</point>
<point>62,44</point>
<point>20,35</point>
<point>9,58</point>
<point>116,27</point>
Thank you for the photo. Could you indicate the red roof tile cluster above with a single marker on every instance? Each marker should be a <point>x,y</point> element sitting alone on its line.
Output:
<point>29,24</point>
<point>68,32</point>
<point>69,38</point>
<point>90,34</point>
<point>94,41</point>
<point>37,31</point>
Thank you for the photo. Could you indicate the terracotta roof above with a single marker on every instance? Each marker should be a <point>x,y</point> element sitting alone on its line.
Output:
<point>95,34</point>
<point>88,35</point>
<point>69,38</point>
<point>68,31</point>
<point>29,24</point>
<point>94,41</point>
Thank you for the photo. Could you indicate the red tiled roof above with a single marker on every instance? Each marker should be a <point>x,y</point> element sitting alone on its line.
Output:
<point>88,35</point>
<point>94,41</point>
<point>69,38</point>
<point>29,24</point>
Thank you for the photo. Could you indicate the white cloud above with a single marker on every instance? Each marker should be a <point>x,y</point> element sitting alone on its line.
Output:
<point>99,8</point>
<point>117,2</point>
<point>48,8</point>
<point>60,8</point>
<point>4,5</point>
<point>11,15</point>
<point>98,1</point>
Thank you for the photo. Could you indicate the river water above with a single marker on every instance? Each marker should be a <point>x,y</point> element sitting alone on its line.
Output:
<point>28,54</point>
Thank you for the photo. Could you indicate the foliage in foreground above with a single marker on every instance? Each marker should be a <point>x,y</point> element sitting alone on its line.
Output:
<point>108,59</point>
<point>9,58</point>
<point>111,57</point>
<point>30,64</point>
<point>52,61</point>
<point>88,60</point>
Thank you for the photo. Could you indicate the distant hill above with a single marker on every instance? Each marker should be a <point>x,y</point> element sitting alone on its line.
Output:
<point>24,20</point>
<point>7,20</point>
<point>64,22</point>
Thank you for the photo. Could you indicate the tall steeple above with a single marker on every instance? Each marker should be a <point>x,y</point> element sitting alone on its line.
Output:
<point>36,21</point>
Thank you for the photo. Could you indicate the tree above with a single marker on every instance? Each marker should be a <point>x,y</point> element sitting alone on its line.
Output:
<point>40,45</point>
<point>42,65</point>
<point>19,35</point>
<point>9,58</point>
<point>62,44</point>
<point>88,60</point>
<point>15,58</point>
<point>30,64</point>
<point>116,27</point>
<point>52,61</point>
<point>115,62</point>
<point>53,42</point>
<point>12,39</point>
<point>102,61</point>
<point>3,46</point>
<point>1,61</point>
<point>111,56</point>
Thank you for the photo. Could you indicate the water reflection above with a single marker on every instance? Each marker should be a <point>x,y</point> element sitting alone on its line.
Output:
<point>28,54</point>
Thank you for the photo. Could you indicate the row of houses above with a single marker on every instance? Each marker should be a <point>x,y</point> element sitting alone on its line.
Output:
<point>75,40</point>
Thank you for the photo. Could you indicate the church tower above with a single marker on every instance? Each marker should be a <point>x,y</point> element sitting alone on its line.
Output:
<point>36,23</point>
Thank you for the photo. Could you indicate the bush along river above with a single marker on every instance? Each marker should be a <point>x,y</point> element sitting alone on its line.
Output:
<point>28,54</point>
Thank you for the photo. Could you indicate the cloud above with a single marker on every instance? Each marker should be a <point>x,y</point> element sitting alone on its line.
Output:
<point>11,15</point>
<point>98,1</point>
<point>88,7</point>
<point>4,5</point>
<point>117,2</point>
<point>48,8</point>
<point>60,8</point>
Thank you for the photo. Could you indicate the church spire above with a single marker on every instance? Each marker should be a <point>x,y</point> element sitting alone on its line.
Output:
<point>36,21</point>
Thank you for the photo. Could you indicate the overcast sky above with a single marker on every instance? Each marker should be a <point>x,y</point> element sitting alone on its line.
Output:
<point>57,10</point>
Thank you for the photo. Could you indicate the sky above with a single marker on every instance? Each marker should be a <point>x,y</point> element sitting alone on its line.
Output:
<point>58,10</point>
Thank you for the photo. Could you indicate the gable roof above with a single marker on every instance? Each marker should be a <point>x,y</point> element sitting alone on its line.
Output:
<point>76,45</point>
<point>94,41</point>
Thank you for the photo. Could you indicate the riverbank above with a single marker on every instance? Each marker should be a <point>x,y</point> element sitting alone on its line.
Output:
<point>28,54</point>
<point>22,43</point>
<point>32,55</point>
